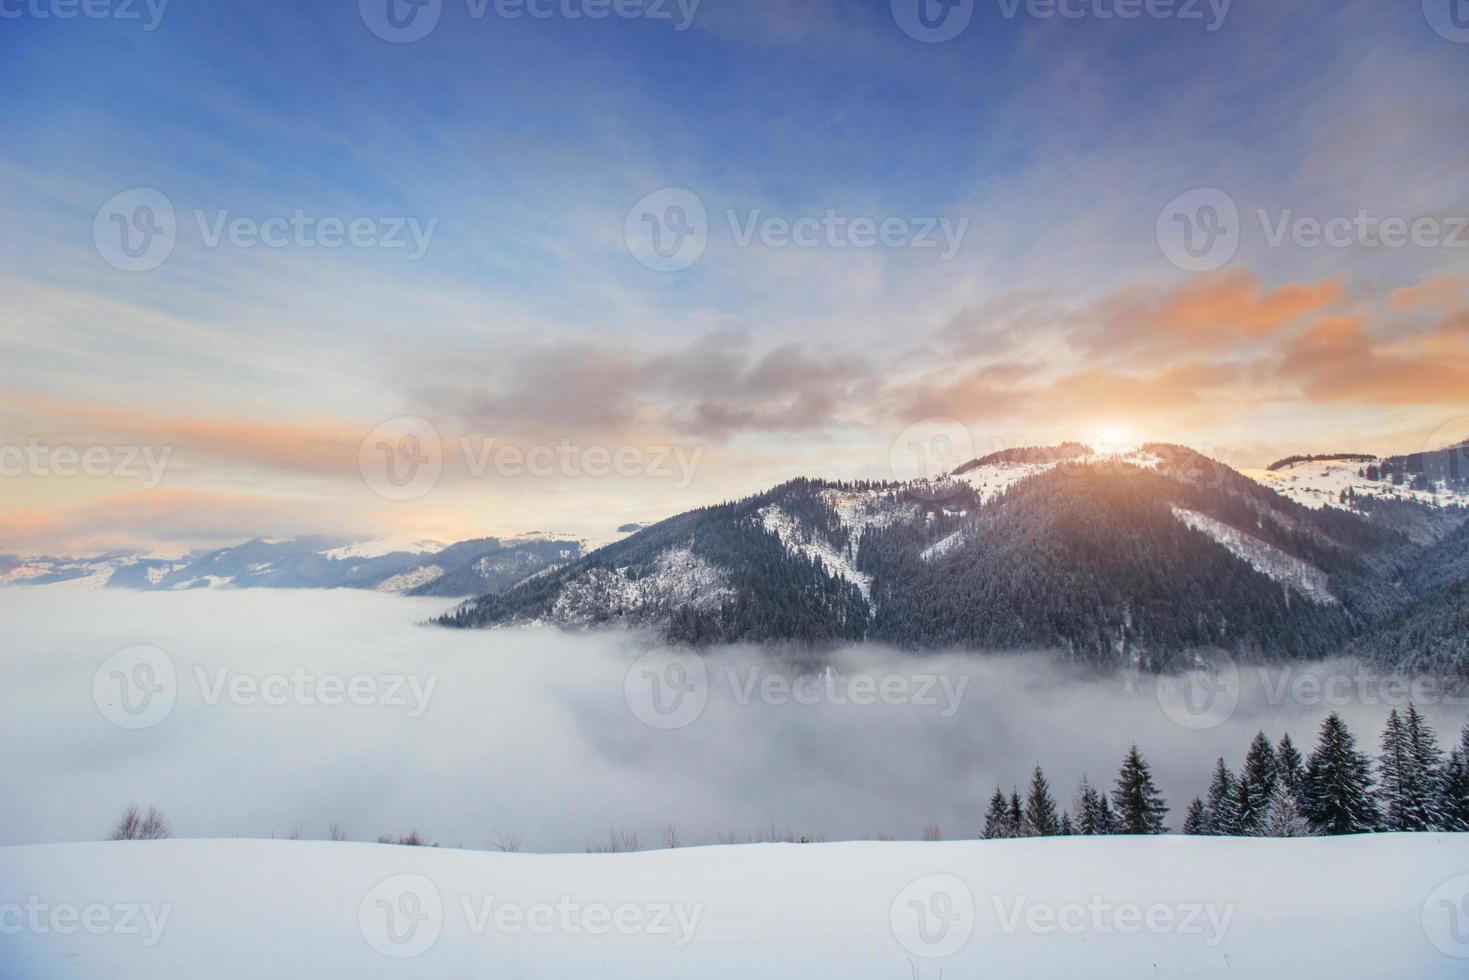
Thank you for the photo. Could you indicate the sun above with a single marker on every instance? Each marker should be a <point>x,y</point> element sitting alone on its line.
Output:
<point>1111,439</point>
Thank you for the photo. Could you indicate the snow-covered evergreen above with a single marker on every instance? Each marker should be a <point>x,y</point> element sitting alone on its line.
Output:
<point>1339,796</point>
<point>1223,805</point>
<point>997,817</point>
<point>1092,813</point>
<point>1140,807</point>
<point>1196,820</point>
<point>1040,813</point>
<point>1256,783</point>
<point>1283,817</point>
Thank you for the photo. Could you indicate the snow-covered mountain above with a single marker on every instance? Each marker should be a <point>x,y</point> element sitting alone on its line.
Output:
<point>417,567</point>
<point>1136,557</point>
<point>1324,481</point>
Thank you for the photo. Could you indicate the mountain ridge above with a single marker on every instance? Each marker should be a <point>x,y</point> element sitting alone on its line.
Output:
<point>466,568</point>
<point>1132,558</point>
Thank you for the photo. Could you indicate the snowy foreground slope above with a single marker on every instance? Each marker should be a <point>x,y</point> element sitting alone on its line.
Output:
<point>1385,906</point>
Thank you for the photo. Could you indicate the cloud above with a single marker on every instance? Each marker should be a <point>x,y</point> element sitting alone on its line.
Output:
<point>1219,313</point>
<point>1339,360</point>
<point>529,732</point>
<point>171,523</point>
<point>326,448</point>
<point>718,386</point>
<point>1192,361</point>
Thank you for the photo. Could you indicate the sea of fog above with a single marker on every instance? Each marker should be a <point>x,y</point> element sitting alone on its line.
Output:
<point>259,713</point>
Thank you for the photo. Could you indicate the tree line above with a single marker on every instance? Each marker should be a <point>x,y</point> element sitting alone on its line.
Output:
<point>1412,786</point>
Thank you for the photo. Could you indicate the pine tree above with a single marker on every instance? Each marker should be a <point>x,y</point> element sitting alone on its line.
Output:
<point>1290,768</point>
<point>997,817</point>
<point>1283,815</point>
<point>1393,775</point>
<point>1110,822</point>
<point>1454,787</point>
<point>1017,814</point>
<point>1040,811</point>
<point>1068,829</point>
<point>1425,760</point>
<point>1223,806</point>
<point>1196,821</point>
<point>1256,781</point>
<point>1092,816</point>
<point>1140,807</point>
<point>1339,784</point>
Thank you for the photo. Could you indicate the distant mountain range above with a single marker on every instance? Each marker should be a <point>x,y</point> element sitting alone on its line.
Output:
<point>420,568</point>
<point>1141,558</point>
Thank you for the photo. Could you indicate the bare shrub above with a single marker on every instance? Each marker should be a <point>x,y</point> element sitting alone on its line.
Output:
<point>335,832</point>
<point>137,825</point>
<point>411,840</point>
<point>670,835</point>
<point>507,843</point>
<point>618,842</point>
<point>933,832</point>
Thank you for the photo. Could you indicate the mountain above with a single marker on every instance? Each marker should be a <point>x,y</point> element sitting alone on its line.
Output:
<point>421,568</point>
<point>1436,478</point>
<point>1137,558</point>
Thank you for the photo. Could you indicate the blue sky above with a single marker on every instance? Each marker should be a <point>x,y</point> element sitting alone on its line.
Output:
<point>1057,142</point>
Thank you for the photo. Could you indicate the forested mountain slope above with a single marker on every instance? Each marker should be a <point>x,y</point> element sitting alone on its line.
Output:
<point>1131,559</point>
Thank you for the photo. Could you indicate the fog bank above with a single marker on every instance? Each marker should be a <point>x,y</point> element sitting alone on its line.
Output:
<point>291,710</point>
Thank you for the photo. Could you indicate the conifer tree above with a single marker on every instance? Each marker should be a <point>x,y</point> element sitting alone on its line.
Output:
<point>997,817</point>
<point>1223,805</point>
<point>1424,784</point>
<point>1140,807</point>
<point>1454,787</point>
<point>1110,823</point>
<point>1283,815</point>
<point>1256,781</point>
<point>1091,815</point>
<point>1040,814</point>
<point>1339,796</point>
<point>1290,768</point>
<point>1017,814</point>
<point>1196,820</point>
<point>1393,773</point>
<point>1068,829</point>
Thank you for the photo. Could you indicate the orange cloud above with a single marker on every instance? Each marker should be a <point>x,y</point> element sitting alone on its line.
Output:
<point>324,448</point>
<point>1445,294</point>
<point>170,522</point>
<point>1216,312</point>
<point>1338,359</point>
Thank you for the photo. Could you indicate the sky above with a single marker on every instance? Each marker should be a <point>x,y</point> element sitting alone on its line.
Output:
<point>464,268</point>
